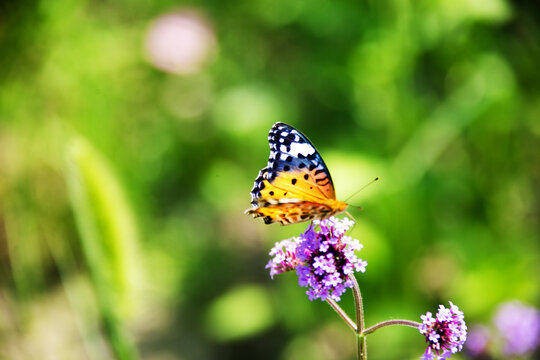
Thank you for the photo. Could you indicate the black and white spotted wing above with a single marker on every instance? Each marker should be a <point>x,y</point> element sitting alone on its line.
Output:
<point>292,158</point>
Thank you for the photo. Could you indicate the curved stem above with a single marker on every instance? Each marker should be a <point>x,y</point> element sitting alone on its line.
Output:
<point>361,344</point>
<point>375,327</point>
<point>342,314</point>
<point>359,306</point>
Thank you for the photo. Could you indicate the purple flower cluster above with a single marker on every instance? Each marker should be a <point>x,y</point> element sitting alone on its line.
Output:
<point>445,334</point>
<point>519,325</point>
<point>323,257</point>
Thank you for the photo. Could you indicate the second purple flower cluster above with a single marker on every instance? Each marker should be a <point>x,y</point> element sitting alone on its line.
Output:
<point>445,333</point>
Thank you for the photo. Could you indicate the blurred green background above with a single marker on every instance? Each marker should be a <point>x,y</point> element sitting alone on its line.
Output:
<point>131,133</point>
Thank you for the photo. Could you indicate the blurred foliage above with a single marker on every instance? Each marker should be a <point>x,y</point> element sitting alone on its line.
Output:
<point>122,186</point>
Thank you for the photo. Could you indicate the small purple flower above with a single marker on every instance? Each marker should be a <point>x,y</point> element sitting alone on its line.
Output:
<point>323,257</point>
<point>284,257</point>
<point>445,333</point>
<point>520,327</point>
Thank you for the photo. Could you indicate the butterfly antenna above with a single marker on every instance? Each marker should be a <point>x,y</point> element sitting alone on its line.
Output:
<point>362,188</point>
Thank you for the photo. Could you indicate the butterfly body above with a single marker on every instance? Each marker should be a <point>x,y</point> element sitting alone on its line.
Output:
<point>296,185</point>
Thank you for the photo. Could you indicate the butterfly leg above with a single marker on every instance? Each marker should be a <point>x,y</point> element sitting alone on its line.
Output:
<point>353,219</point>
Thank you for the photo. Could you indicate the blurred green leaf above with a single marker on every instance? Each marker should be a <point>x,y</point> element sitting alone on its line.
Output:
<point>105,222</point>
<point>108,236</point>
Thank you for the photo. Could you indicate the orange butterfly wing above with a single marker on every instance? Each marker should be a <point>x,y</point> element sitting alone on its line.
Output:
<point>296,185</point>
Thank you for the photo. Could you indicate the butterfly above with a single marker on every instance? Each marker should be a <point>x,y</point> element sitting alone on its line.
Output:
<point>296,185</point>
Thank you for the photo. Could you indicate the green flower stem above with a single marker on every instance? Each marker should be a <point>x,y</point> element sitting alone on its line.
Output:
<point>375,327</point>
<point>361,344</point>
<point>342,314</point>
<point>358,326</point>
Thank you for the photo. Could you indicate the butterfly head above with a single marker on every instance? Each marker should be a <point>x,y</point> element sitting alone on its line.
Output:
<point>340,206</point>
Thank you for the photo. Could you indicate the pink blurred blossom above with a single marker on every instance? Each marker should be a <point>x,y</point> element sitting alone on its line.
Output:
<point>180,42</point>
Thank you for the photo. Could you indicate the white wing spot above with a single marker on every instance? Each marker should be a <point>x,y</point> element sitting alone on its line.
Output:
<point>301,148</point>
